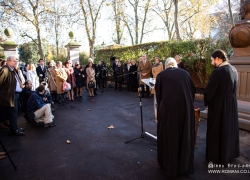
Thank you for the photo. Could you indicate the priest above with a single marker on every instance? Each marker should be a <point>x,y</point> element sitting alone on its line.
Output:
<point>222,119</point>
<point>176,122</point>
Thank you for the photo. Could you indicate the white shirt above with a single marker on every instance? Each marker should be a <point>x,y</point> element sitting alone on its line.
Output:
<point>18,87</point>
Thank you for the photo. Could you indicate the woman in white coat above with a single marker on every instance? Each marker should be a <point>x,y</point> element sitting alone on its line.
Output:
<point>32,76</point>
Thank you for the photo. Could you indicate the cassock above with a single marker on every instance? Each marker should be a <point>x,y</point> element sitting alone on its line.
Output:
<point>176,124</point>
<point>222,118</point>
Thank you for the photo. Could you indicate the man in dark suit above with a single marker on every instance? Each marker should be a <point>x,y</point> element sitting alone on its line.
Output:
<point>115,75</point>
<point>41,70</point>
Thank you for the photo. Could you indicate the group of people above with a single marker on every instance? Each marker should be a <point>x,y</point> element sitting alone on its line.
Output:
<point>174,94</point>
<point>131,73</point>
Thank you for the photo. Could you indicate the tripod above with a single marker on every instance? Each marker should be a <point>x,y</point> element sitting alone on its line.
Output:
<point>143,135</point>
<point>5,150</point>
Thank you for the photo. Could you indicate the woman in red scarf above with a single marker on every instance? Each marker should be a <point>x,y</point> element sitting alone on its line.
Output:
<point>71,79</point>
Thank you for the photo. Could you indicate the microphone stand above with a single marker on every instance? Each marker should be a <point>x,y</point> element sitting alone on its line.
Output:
<point>143,135</point>
<point>5,150</point>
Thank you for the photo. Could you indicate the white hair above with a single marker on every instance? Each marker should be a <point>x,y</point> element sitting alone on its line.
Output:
<point>171,62</point>
<point>90,59</point>
<point>10,57</point>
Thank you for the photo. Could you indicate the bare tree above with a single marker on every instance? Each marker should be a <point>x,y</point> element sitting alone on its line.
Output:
<point>118,16</point>
<point>176,24</point>
<point>137,25</point>
<point>163,9</point>
<point>230,12</point>
<point>33,12</point>
<point>91,13</point>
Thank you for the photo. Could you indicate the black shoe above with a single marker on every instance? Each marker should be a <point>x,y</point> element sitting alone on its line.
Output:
<point>17,132</point>
<point>50,124</point>
<point>142,96</point>
<point>21,129</point>
<point>96,94</point>
<point>53,110</point>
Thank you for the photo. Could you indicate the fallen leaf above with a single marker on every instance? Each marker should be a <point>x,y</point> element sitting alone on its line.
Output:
<point>111,127</point>
<point>89,109</point>
<point>68,141</point>
<point>92,100</point>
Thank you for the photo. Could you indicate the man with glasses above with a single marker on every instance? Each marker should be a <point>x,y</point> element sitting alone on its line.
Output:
<point>10,89</point>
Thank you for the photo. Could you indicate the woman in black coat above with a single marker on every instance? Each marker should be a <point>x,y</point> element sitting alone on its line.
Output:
<point>80,81</point>
<point>119,72</point>
<point>133,81</point>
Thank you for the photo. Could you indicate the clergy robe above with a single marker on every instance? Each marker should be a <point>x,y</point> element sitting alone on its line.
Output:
<point>175,128</point>
<point>222,119</point>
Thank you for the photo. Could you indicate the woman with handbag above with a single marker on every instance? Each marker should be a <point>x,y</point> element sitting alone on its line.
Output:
<point>91,82</point>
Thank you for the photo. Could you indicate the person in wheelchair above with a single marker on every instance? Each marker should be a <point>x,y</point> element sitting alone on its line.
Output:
<point>39,108</point>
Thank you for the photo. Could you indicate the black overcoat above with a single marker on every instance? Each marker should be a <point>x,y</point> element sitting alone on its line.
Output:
<point>175,128</point>
<point>222,119</point>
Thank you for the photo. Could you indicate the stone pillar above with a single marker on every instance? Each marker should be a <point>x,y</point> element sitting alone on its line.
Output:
<point>9,46</point>
<point>73,49</point>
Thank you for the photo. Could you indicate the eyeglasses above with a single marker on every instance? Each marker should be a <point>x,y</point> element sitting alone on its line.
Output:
<point>77,64</point>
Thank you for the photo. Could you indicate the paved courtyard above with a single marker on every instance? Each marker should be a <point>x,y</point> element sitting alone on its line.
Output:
<point>97,152</point>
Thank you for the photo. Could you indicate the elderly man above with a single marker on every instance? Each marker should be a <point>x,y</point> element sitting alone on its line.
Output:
<point>10,89</point>
<point>175,129</point>
<point>145,69</point>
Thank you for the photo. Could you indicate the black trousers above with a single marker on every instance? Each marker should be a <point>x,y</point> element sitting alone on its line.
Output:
<point>143,91</point>
<point>12,113</point>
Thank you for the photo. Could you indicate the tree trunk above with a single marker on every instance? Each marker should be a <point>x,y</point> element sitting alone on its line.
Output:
<point>177,31</point>
<point>91,49</point>
<point>230,12</point>
<point>136,24</point>
<point>40,49</point>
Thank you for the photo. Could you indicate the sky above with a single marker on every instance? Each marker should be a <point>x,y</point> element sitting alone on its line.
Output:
<point>104,34</point>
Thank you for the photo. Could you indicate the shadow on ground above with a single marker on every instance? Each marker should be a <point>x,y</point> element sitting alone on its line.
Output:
<point>95,151</point>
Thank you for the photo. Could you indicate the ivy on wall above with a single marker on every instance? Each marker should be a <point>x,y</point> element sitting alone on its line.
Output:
<point>195,54</point>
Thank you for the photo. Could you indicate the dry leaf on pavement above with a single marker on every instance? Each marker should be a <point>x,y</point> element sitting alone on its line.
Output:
<point>111,127</point>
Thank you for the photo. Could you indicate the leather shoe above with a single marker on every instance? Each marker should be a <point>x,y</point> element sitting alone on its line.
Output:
<point>17,132</point>
<point>21,129</point>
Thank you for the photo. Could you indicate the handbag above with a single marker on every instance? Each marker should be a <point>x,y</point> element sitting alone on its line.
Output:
<point>91,84</point>
<point>66,86</point>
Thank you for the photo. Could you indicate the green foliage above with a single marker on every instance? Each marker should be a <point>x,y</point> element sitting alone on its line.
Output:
<point>195,53</point>
<point>28,52</point>
<point>2,56</point>
<point>83,58</point>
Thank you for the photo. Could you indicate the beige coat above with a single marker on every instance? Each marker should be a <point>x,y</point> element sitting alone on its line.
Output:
<point>147,70</point>
<point>156,70</point>
<point>51,79</point>
<point>90,73</point>
<point>61,76</point>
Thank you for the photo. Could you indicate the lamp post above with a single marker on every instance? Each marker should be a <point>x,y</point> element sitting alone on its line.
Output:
<point>103,44</point>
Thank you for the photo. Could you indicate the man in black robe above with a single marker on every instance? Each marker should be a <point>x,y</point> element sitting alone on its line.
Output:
<point>222,118</point>
<point>175,128</point>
